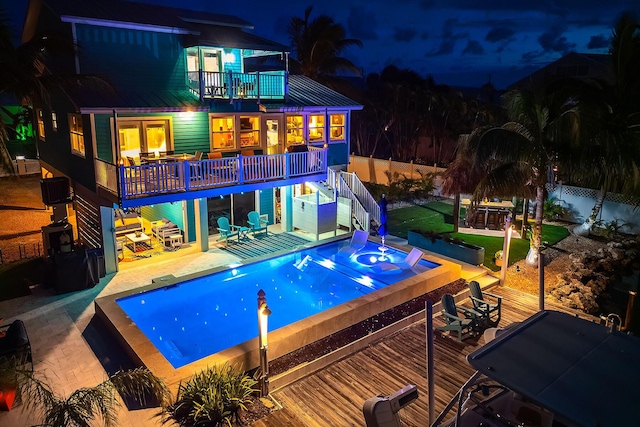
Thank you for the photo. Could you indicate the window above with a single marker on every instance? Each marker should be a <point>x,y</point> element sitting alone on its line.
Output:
<point>40,119</point>
<point>316,128</point>
<point>249,131</point>
<point>54,121</point>
<point>137,135</point>
<point>76,134</point>
<point>222,133</point>
<point>336,130</point>
<point>295,130</point>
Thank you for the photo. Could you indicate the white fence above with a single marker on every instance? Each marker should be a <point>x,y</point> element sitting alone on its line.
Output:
<point>24,167</point>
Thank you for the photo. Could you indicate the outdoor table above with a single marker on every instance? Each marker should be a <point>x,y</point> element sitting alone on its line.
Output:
<point>134,238</point>
<point>488,206</point>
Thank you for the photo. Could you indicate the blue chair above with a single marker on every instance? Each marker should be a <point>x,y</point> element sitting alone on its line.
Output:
<point>227,230</point>
<point>257,224</point>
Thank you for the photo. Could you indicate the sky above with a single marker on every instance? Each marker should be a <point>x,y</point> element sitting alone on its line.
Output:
<point>458,42</point>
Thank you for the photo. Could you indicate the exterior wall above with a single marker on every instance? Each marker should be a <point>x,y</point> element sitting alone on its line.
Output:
<point>266,203</point>
<point>152,60</point>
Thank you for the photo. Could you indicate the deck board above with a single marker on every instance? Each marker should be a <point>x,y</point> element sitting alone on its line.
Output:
<point>335,396</point>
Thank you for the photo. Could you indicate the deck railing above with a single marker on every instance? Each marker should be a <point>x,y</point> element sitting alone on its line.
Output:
<point>232,85</point>
<point>183,176</point>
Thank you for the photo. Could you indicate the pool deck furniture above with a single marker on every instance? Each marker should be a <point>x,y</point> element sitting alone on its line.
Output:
<point>227,230</point>
<point>14,342</point>
<point>135,239</point>
<point>407,263</point>
<point>490,310</point>
<point>257,224</point>
<point>357,243</point>
<point>455,322</point>
<point>491,215</point>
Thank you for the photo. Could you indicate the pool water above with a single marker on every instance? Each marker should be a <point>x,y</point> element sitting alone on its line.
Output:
<point>202,316</point>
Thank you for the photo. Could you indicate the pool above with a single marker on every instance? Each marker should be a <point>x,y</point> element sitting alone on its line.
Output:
<point>312,293</point>
<point>205,315</point>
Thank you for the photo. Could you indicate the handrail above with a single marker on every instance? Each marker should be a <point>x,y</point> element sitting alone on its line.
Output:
<point>183,176</point>
<point>233,85</point>
<point>363,195</point>
<point>358,211</point>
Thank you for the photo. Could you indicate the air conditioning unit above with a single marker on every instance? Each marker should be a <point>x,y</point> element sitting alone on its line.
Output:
<point>55,190</point>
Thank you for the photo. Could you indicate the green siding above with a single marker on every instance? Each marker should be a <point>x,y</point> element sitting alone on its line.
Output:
<point>338,154</point>
<point>103,137</point>
<point>172,212</point>
<point>266,203</point>
<point>236,65</point>
<point>132,59</point>
<point>191,219</point>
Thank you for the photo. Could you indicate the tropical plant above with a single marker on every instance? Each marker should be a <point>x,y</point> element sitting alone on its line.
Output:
<point>212,397</point>
<point>82,407</point>
<point>25,75</point>
<point>553,210</point>
<point>317,45</point>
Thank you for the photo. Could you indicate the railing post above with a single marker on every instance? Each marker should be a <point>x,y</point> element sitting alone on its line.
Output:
<point>201,84</point>
<point>287,164</point>
<point>240,169</point>
<point>258,86</point>
<point>232,89</point>
<point>186,165</point>
<point>123,183</point>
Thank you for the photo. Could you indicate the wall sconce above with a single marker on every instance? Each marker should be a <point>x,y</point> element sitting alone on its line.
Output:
<point>229,57</point>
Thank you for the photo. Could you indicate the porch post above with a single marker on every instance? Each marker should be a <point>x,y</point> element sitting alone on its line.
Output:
<point>202,223</point>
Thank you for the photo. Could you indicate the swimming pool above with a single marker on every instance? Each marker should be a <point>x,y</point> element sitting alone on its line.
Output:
<point>205,315</point>
<point>332,314</point>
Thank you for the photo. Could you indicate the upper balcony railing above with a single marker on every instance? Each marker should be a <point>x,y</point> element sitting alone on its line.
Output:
<point>154,179</point>
<point>231,85</point>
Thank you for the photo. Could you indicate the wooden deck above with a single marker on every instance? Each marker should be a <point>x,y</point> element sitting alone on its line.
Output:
<point>335,396</point>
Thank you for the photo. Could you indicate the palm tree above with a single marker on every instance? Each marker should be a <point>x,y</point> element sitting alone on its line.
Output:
<point>317,45</point>
<point>611,160</point>
<point>519,156</point>
<point>26,77</point>
<point>81,407</point>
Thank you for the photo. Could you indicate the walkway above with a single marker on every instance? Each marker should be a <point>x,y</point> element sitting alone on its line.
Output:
<point>70,349</point>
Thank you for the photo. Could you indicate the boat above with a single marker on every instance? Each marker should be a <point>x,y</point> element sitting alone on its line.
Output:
<point>552,370</point>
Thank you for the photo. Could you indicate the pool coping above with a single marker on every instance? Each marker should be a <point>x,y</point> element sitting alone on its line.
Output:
<point>281,341</point>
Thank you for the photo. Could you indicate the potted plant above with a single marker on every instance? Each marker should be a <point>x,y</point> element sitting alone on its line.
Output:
<point>498,258</point>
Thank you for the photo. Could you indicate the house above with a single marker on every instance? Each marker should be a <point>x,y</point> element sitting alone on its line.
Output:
<point>200,119</point>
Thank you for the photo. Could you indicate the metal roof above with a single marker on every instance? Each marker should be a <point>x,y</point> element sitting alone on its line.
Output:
<point>217,36</point>
<point>305,93</point>
<point>140,13</point>
<point>100,101</point>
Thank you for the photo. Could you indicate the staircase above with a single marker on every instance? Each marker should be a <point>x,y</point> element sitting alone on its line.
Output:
<point>365,209</point>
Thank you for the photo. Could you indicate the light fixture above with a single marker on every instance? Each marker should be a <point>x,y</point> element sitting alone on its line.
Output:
<point>263,315</point>
<point>229,57</point>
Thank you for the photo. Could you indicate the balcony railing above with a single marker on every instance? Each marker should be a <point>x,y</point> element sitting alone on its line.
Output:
<point>155,179</point>
<point>231,85</point>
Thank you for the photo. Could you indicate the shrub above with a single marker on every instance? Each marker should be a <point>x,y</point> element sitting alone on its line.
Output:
<point>210,398</point>
<point>553,210</point>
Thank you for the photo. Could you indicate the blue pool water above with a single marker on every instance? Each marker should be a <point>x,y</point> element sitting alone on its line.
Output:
<point>202,316</point>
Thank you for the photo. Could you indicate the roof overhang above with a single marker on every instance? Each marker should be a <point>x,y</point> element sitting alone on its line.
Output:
<point>143,110</point>
<point>126,25</point>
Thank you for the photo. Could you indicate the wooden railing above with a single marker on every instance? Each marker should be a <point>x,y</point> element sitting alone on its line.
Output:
<point>230,85</point>
<point>183,176</point>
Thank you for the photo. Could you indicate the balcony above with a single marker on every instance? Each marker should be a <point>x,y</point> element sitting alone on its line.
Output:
<point>180,180</point>
<point>230,85</point>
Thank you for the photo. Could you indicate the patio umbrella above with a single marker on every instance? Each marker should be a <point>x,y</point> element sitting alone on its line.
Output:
<point>382,230</point>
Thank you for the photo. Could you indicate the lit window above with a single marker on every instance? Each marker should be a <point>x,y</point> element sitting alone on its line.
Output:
<point>40,119</point>
<point>76,134</point>
<point>140,135</point>
<point>54,121</point>
<point>336,130</point>
<point>316,128</point>
<point>295,130</point>
<point>249,131</point>
<point>222,133</point>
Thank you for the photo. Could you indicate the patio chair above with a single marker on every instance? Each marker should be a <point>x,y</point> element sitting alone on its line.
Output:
<point>409,262</point>
<point>358,242</point>
<point>14,343</point>
<point>257,224</point>
<point>479,219</point>
<point>466,323</point>
<point>490,311</point>
<point>227,230</point>
<point>492,220</point>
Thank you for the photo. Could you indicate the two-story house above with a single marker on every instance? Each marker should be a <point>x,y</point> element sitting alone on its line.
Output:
<point>201,120</point>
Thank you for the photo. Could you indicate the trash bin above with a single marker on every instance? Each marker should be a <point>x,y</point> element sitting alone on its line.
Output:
<point>21,164</point>
<point>96,256</point>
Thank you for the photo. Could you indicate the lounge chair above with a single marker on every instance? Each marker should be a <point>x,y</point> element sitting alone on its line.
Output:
<point>14,343</point>
<point>227,230</point>
<point>490,310</point>
<point>466,323</point>
<point>358,242</point>
<point>409,262</point>
<point>257,224</point>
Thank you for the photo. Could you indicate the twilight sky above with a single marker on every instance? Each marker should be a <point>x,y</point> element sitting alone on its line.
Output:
<point>459,42</point>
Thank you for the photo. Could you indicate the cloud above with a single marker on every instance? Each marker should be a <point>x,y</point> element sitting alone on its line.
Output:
<point>404,34</point>
<point>553,41</point>
<point>473,48</point>
<point>362,24</point>
<point>449,38</point>
<point>598,42</point>
<point>499,33</point>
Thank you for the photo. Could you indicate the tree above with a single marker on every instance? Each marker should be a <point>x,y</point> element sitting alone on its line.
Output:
<point>519,156</point>
<point>27,77</point>
<point>611,158</point>
<point>317,46</point>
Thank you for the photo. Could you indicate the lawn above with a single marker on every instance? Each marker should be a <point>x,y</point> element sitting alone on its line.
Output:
<point>438,217</point>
